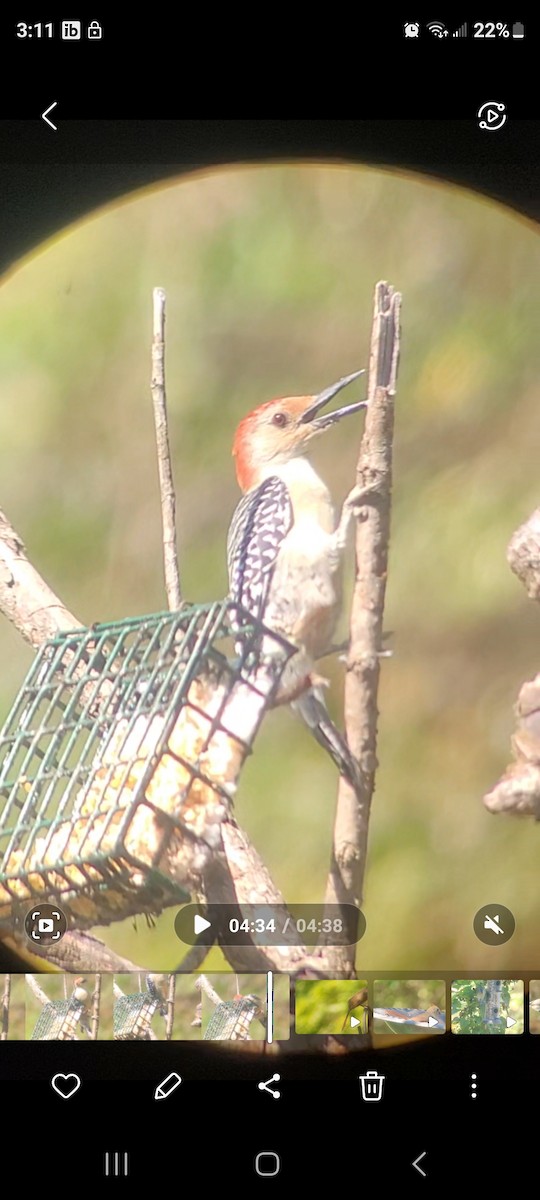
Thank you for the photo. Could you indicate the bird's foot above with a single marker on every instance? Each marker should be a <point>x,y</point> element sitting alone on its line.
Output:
<point>358,497</point>
<point>318,680</point>
<point>354,504</point>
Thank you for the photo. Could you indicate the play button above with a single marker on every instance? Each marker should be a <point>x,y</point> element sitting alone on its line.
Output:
<point>193,928</point>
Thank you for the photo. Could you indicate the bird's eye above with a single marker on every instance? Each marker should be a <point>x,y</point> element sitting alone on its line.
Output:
<point>280,419</point>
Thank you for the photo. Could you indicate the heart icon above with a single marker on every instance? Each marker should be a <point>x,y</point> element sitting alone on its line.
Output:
<point>65,1085</point>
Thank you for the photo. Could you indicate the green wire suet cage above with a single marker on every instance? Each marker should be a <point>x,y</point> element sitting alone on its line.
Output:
<point>231,1019</point>
<point>133,1016</point>
<point>58,1021</point>
<point>120,758</point>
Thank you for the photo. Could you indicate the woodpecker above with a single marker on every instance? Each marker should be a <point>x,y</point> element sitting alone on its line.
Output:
<point>156,985</point>
<point>285,550</point>
<point>79,1002</point>
<point>79,995</point>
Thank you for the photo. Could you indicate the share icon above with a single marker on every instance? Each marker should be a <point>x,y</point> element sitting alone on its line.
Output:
<point>265,1087</point>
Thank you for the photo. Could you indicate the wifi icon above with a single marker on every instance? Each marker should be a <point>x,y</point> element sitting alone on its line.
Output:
<point>438,29</point>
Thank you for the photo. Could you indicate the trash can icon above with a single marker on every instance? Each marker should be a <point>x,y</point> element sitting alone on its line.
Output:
<point>371,1085</point>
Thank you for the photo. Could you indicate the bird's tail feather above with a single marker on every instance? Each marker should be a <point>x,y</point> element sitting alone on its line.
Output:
<point>312,708</point>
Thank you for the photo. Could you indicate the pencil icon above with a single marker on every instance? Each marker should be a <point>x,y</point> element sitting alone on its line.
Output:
<point>167,1085</point>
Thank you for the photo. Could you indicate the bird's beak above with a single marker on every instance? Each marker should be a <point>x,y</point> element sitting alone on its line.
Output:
<point>319,423</point>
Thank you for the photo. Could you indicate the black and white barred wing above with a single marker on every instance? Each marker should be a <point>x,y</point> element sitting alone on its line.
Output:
<point>260,523</point>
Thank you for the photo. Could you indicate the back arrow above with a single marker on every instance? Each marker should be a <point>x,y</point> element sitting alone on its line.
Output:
<point>48,110</point>
<point>418,1160</point>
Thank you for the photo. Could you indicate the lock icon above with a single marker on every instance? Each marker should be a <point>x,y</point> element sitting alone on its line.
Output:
<point>94,30</point>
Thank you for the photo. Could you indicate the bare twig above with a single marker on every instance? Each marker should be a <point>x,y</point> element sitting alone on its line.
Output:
<point>96,1004</point>
<point>171,989</point>
<point>517,792</point>
<point>374,474</point>
<point>166,483</point>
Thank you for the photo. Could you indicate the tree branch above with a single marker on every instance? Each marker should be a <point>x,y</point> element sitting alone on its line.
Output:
<point>166,483</point>
<point>374,474</point>
<point>76,951</point>
<point>96,1005</point>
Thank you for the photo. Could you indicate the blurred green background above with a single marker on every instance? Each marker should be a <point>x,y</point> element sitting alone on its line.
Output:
<point>269,274</point>
<point>409,993</point>
<point>322,1006</point>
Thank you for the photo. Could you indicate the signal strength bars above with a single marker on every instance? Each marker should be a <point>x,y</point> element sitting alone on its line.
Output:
<point>462,31</point>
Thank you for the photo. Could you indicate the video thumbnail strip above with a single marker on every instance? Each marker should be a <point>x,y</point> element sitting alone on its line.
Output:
<point>145,1006</point>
